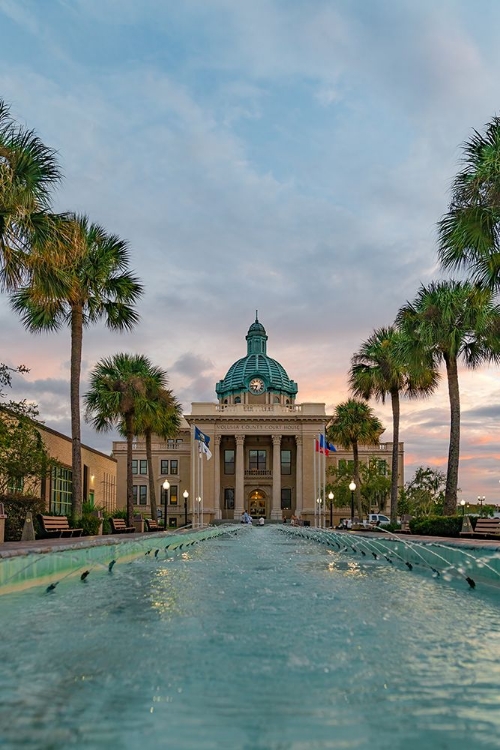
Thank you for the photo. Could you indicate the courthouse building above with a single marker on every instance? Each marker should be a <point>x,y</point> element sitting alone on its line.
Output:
<point>262,443</point>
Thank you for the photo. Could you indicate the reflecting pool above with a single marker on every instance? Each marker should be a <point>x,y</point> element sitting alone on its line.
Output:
<point>254,640</point>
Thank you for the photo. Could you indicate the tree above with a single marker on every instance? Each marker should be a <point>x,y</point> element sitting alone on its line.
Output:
<point>87,281</point>
<point>354,423</point>
<point>164,422</point>
<point>120,389</point>
<point>24,459</point>
<point>452,321</point>
<point>469,233</point>
<point>374,484</point>
<point>424,494</point>
<point>380,369</point>
<point>28,173</point>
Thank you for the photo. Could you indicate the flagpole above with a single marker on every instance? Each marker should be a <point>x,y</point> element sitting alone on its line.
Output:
<point>323,478</point>
<point>194,494</point>
<point>201,493</point>
<point>315,478</point>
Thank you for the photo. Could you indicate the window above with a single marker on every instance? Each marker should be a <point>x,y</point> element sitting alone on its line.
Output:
<point>15,485</point>
<point>143,466</point>
<point>229,462</point>
<point>286,462</point>
<point>257,460</point>
<point>237,400</point>
<point>174,466</point>
<point>135,466</point>
<point>140,492</point>
<point>286,498</point>
<point>173,494</point>
<point>174,443</point>
<point>382,468</point>
<point>164,466</point>
<point>61,491</point>
<point>228,498</point>
<point>343,464</point>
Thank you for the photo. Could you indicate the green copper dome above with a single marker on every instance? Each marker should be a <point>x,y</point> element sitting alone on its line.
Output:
<point>264,373</point>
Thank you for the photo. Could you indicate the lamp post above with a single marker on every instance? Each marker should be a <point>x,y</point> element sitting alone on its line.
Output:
<point>185,495</point>
<point>330,497</point>
<point>166,487</point>
<point>462,503</point>
<point>352,487</point>
<point>318,500</point>
<point>481,501</point>
<point>199,511</point>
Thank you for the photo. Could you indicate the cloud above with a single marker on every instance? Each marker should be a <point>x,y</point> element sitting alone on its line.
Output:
<point>290,158</point>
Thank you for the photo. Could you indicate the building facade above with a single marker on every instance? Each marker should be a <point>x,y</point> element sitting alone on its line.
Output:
<point>56,488</point>
<point>262,444</point>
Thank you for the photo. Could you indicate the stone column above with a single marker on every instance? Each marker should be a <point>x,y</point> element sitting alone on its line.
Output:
<point>276,512</point>
<point>298,476</point>
<point>217,497</point>
<point>239,499</point>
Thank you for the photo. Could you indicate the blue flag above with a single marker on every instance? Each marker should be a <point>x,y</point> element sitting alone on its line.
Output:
<point>199,435</point>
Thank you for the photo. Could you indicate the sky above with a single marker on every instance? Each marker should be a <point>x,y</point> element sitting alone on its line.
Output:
<point>286,156</point>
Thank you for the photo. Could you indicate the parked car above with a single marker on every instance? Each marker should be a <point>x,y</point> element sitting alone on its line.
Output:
<point>378,519</point>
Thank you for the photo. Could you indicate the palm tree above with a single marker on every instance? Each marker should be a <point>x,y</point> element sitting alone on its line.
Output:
<point>354,423</point>
<point>28,173</point>
<point>469,233</point>
<point>378,370</point>
<point>88,281</point>
<point>122,387</point>
<point>452,321</point>
<point>165,422</point>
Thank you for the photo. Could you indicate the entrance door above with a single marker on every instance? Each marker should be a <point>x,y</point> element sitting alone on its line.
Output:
<point>257,504</point>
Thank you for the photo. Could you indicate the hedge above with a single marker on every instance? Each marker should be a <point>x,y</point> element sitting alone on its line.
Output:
<point>437,526</point>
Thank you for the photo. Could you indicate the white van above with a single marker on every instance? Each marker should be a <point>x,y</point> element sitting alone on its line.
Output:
<point>378,519</point>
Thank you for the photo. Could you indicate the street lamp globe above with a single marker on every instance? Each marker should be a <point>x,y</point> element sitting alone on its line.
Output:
<point>331,496</point>
<point>185,494</point>
<point>352,486</point>
<point>166,485</point>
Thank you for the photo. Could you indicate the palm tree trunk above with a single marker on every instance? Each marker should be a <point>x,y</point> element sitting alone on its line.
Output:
<point>355,456</point>
<point>395,455</point>
<point>76,447</point>
<point>130,479</point>
<point>152,481</point>
<point>450,496</point>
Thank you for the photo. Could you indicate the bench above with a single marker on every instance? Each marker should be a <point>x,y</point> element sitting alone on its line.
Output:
<point>58,526</point>
<point>152,525</point>
<point>118,526</point>
<point>484,527</point>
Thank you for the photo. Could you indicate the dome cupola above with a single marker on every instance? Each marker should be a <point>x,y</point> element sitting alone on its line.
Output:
<point>256,374</point>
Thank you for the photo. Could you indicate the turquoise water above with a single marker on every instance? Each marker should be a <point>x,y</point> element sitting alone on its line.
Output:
<point>252,641</point>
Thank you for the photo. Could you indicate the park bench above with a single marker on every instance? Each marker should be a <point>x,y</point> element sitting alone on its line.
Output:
<point>152,525</point>
<point>484,527</point>
<point>57,526</point>
<point>118,526</point>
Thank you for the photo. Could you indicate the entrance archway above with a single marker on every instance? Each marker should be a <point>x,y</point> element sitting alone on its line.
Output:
<point>257,504</point>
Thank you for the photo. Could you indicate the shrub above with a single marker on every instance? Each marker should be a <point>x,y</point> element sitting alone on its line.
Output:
<point>106,526</point>
<point>89,523</point>
<point>16,508</point>
<point>437,526</point>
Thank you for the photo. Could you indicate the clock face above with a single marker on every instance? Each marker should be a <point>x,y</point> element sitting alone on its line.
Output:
<point>256,385</point>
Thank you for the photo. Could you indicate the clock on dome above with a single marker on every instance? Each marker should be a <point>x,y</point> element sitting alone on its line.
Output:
<point>257,385</point>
